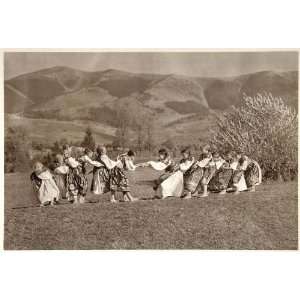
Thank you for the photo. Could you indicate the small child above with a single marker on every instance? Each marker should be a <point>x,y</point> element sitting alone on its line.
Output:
<point>164,157</point>
<point>117,179</point>
<point>209,171</point>
<point>44,185</point>
<point>60,174</point>
<point>194,175</point>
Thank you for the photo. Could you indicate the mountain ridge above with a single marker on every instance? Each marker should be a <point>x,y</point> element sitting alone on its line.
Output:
<point>63,93</point>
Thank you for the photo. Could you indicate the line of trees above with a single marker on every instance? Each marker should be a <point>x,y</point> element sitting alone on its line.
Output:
<point>262,126</point>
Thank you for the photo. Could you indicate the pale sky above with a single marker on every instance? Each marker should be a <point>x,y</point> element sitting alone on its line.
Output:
<point>212,64</point>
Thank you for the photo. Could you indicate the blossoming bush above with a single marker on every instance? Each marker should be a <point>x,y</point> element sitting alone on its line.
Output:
<point>264,128</point>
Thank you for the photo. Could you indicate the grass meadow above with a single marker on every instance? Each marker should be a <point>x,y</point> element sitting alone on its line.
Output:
<point>266,219</point>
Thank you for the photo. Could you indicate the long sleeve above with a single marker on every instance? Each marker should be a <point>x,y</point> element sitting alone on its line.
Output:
<point>94,163</point>
<point>202,163</point>
<point>109,164</point>
<point>61,170</point>
<point>130,165</point>
<point>73,163</point>
<point>186,165</point>
<point>157,165</point>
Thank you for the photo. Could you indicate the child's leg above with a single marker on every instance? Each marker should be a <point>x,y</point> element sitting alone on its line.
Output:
<point>75,199</point>
<point>204,188</point>
<point>130,197</point>
<point>236,189</point>
<point>81,199</point>
<point>251,188</point>
<point>188,195</point>
<point>113,197</point>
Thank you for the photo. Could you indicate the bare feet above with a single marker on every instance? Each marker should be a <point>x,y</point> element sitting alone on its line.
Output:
<point>187,196</point>
<point>134,199</point>
<point>203,195</point>
<point>81,199</point>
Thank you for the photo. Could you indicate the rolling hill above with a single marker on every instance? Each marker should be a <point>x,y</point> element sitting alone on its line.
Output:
<point>184,107</point>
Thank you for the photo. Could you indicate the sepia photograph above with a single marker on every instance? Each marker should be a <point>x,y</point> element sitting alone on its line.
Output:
<point>151,150</point>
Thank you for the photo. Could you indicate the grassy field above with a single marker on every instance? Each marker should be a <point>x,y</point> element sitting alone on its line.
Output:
<point>266,219</point>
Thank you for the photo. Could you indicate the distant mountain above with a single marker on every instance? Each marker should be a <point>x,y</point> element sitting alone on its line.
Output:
<point>178,102</point>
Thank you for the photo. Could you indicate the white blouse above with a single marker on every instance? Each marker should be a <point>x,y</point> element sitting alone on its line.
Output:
<point>94,163</point>
<point>73,163</point>
<point>186,165</point>
<point>109,163</point>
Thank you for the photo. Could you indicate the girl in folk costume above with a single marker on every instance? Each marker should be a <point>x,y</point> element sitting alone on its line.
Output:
<point>173,185</point>
<point>114,178</point>
<point>44,185</point>
<point>164,163</point>
<point>222,179</point>
<point>209,171</point>
<point>250,169</point>
<point>60,174</point>
<point>86,159</point>
<point>77,183</point>
<point>193,176</point>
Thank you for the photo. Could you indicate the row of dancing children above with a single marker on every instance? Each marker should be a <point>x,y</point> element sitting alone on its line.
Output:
<point>211,172</point>
<point>190,177</point>
<point>69,178</point>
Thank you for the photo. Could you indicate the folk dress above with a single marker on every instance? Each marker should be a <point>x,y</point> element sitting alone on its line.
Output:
<point>111,176</point>
<point>77,183</point>
<point>44,186</point>
<point>60,175</point>
<point>173,186</point>
<point>250,169</point>
<point>194,174</point>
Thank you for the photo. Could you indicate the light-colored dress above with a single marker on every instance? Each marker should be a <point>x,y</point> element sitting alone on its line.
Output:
<point>45,187</point>
<point>170,184</point>
<point>240,183</point>
<point>173,186</point>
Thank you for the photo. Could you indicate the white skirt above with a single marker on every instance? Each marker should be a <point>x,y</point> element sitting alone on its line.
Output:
<point>172,186</point>
<point>48,191</point>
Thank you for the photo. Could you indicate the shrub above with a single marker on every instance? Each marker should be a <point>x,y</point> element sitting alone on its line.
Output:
<point>264,128</point>
<point>16,150</point>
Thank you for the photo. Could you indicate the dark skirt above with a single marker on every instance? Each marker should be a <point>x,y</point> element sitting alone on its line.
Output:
<point>192,178</point>
<point>221,180</point>
<point>118,180</point>
<point>252,174</point>
<point>77,183</point>
<point>208,174</point>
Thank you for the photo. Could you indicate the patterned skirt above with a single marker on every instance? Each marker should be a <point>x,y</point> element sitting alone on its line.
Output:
<point>252,174</point>
<point>208,174</point>
<point>118,181</point>
<point>77,183</point>
<point>100,181</point>
<point>221,180</point>
<point>192,178</point>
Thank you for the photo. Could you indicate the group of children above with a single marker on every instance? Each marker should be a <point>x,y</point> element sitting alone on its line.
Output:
<point>190,177</point>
